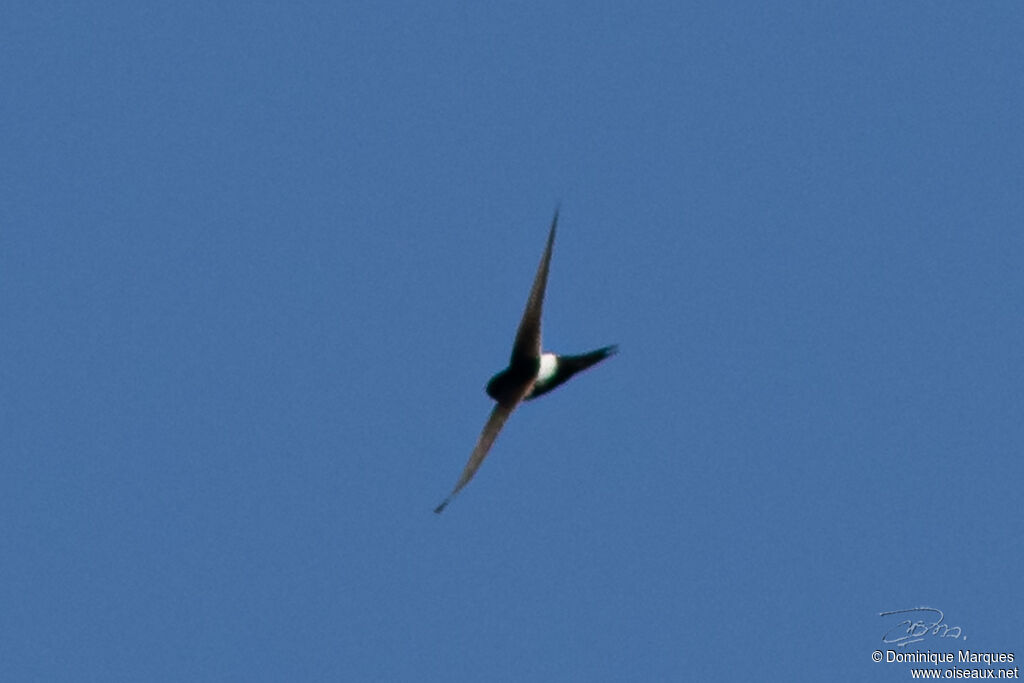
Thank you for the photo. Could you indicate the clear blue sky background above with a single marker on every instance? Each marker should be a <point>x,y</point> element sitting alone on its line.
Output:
<point>257,261</point>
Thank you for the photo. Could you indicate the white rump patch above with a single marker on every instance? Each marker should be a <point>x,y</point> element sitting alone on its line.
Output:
<point>548,366</point>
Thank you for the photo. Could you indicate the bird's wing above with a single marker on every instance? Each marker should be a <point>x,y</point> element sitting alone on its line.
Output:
<point>527,344</point>
<point>494,424</point>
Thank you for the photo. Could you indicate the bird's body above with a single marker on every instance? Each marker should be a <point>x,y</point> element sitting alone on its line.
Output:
<point>557,370</point>
<point>530,373</point>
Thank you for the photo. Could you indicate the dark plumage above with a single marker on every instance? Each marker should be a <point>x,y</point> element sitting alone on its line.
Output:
<point>529,373</point>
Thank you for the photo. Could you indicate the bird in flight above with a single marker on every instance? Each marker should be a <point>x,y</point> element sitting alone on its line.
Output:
<point>529,374</point>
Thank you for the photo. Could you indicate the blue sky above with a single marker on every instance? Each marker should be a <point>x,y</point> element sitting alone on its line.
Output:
<point>258,260</point>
